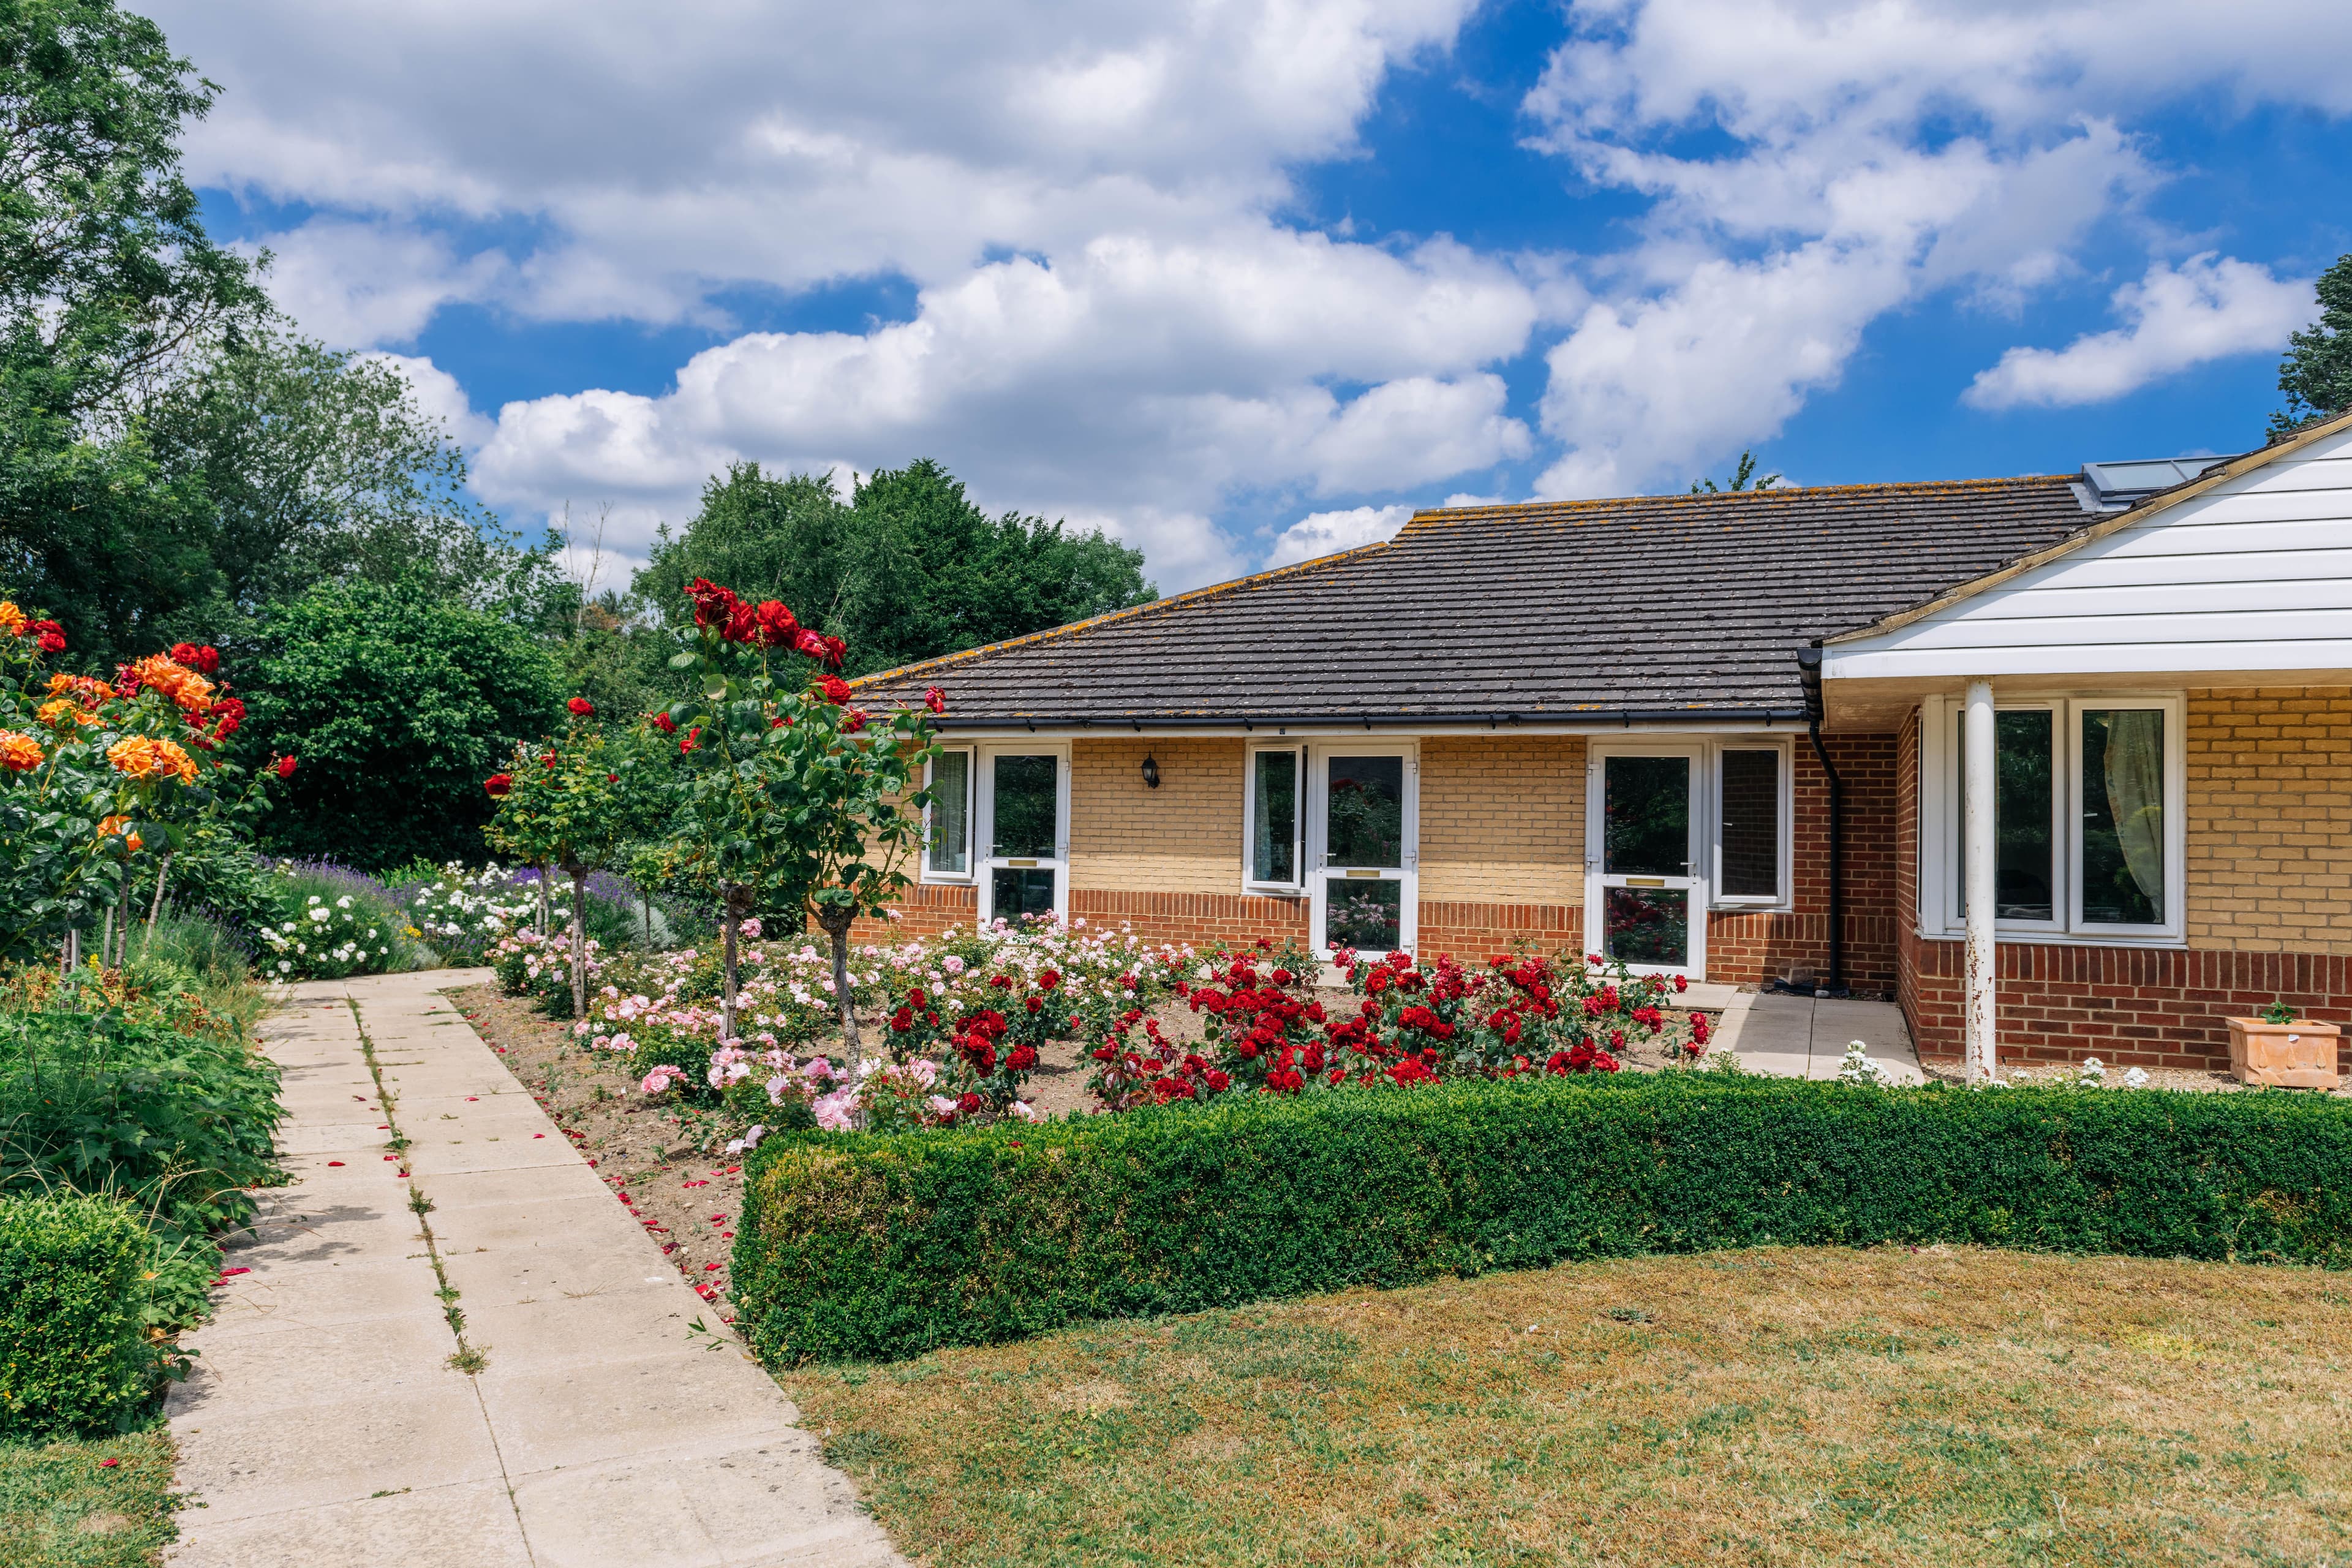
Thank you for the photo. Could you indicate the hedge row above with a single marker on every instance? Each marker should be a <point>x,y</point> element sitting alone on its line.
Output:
<point>876,1247</point>
<point>74,1288</point>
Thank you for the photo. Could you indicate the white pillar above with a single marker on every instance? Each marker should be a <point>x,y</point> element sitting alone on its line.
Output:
<point>1977,768</point>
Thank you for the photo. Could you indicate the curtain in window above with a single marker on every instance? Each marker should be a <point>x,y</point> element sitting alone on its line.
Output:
<point>2134,769</point>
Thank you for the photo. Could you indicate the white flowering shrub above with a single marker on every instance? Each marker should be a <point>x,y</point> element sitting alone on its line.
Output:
<point>464,912</point>
<point>1858,1069</point>
<point>323,940</point>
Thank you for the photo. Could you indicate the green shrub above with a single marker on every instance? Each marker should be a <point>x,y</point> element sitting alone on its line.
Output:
<point>177,1124</point>
<point>74,1354</point>
<point>861,1245</point>
<point>396,702</point>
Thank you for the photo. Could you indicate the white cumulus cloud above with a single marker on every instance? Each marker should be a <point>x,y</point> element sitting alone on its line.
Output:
<point>1329,532</point>
<point>2207,307</point>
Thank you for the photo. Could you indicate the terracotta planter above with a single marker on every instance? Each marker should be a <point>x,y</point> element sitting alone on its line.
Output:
<point>2301,1055</point>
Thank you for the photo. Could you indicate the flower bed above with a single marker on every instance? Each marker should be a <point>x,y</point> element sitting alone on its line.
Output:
<point>883,1246</point>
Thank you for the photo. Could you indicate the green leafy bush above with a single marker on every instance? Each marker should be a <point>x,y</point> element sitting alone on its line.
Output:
<point>862,1245</point>
<point>74,1352</point>
<point>178,1124</point>
<point>396,703</point>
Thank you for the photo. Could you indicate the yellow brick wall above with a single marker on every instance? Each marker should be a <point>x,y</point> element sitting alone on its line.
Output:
<point>1502,819</point>
<point>2269,819</point>
<point>1183,838</point>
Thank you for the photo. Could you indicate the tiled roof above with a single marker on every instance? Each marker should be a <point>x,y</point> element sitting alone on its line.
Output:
<point>1695,604</point>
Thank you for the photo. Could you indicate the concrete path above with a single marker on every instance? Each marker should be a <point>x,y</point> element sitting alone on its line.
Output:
<point>1803,1036</point>
<point>324,1426</point>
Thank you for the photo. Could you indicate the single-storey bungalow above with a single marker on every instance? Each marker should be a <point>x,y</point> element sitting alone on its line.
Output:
<point>2094,729</point>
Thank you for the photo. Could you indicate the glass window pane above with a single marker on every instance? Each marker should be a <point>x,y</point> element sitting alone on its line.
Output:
<point>952,813</point>
<point>1649,925</point>
<point>1752,825</point>
<point>1364,913</point>
<point>1648,803</point>
<point>1025,805</point>
<point>1364,812</point>
<point>2025,857</point>
<point>1021,892</point>
<point>1273,818</point>
<point>2123,817</point>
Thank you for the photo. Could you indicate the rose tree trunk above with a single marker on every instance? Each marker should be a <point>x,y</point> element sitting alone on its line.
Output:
<point>836,922</point>
<point>579,943</point>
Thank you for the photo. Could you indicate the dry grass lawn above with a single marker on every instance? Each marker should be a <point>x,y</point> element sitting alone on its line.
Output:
<point>1804,1407</point>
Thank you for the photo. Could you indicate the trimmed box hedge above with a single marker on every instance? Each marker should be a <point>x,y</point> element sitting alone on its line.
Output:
<point>74,1286</point>
<point>863,1247</point>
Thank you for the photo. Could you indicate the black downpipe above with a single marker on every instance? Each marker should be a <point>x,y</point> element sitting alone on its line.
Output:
<point>1809,667</point>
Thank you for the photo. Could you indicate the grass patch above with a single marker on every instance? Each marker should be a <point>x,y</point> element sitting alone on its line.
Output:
<point>1776,1406</point>
<point>61,1507</point>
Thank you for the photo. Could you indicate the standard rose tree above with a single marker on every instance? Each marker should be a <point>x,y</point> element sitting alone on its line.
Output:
<point>788,786</point>
<point>579,803</point>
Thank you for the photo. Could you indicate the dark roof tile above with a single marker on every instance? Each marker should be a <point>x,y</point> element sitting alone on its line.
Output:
<point>1542,609</point>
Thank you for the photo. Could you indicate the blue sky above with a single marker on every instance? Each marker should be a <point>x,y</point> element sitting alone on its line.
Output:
<point>1243,281</point>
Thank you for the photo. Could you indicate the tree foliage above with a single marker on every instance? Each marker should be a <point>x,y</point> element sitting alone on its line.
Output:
<point>906,569</point>
<point>2316,373</point>
<point>397,703</point>
<point>1744,477</point>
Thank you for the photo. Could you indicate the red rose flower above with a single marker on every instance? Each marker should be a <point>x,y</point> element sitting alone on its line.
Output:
<point>836,689</point>
<point>582,707</point>
<point>52,635</point>
<point>686,744</point>
<point>773,624</point>
<point>285,767</point>
<point>498,784</point>
<point>810,642</point>
<point>742,623</point>
<point>664,723</point>
<point>935,699</point>
<point>853,720</point>
<point>712,604</point>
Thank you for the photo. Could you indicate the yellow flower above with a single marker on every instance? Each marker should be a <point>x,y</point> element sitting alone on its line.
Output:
<point>141,758</point>
<point>19,753</point>
<point>174,680</point>
<point>13,621</point>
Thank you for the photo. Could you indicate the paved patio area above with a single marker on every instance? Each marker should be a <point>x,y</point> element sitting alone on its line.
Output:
<point>324,1426</point>
<point>1806,1037</point>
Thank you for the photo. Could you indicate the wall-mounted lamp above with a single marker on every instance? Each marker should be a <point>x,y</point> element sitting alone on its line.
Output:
<point>1151,773</point>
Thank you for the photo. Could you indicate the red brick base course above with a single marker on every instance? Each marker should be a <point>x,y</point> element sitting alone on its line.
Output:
<point>2127,1007</point>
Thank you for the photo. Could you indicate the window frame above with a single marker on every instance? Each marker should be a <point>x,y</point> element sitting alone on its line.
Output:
<point>1942,873</point>
<point>1711,808</point>
<point>969,874</point>
<point>1296,886</point>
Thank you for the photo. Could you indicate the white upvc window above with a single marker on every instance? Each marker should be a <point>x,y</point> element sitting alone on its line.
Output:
<point>1274,819</point>
<point>948,820</point>
<point>1750,816</point>
<point>2089,827</point>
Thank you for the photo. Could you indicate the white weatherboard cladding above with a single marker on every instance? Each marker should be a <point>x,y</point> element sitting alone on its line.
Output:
<point>2254,574</point>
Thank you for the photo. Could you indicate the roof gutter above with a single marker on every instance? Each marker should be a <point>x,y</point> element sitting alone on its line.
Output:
<point>1592,718</point>
<point>1808,671</point>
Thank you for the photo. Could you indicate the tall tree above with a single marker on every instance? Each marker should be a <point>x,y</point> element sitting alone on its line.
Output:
<point>309,465</point>
<point>907,569</point>
<point>108,284</point>
<point>2316,373</point>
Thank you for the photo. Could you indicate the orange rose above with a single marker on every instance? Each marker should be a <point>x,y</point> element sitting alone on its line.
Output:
<point>81,687</point>
<point>58,710</point>
<point>19,753</point>
<point>110,827</point>
<point>141,758</point>
<point>13,621</point>
<point>174,680</point>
